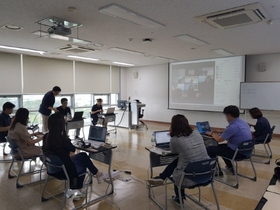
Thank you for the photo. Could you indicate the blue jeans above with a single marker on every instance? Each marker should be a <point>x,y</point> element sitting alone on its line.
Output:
<point>82,163</point>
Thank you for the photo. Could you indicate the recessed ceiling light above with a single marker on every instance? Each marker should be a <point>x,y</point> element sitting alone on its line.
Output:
<point>222,52</point>
<point>82,58</point>
<point>12,27</point>
<point>125,14</point>
<point>126,51</point>
<point>22,49</point>
<point>123,64</point>
<point>98,45</point>
<point>192,40</point>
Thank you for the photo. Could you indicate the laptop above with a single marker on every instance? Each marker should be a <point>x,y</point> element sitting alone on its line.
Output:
<point>203,127</point>
<point>97,135</point>
<point>110,110</point>
<point>163,140</point>
<point>77,116</point>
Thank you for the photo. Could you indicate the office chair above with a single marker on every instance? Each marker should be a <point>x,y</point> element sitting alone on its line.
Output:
<point>247,146</point>
<point>17,156</point>
<point>266,146</point>
<point>140,116</point>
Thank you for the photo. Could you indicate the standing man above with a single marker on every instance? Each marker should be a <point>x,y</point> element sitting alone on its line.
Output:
<point>66,111</point>
<point>95,110</point>
<point>46,106</point>
<point>5,120</point>
<point>237,132</point>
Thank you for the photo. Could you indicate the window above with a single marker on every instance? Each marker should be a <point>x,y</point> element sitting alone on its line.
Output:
<point>35,118</point>
<point>105,98</point>
<point>85,110</point>
<point>58,102</point>
<point>83,100</point>
<point>114,99</point>
<point>12,99</point>
<point>32,102</point>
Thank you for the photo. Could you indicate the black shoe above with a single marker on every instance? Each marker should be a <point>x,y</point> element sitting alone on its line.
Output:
<point>176,200</point>
<point>219,173</point>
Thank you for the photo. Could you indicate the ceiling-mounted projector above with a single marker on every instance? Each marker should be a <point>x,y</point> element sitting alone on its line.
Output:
<point>60,30</point>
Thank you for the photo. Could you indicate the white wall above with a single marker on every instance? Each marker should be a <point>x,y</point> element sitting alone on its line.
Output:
<point>151,88</point>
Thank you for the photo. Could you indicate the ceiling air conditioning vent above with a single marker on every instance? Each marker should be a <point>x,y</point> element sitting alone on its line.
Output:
<point>238,16</point>
<point>76,49</point>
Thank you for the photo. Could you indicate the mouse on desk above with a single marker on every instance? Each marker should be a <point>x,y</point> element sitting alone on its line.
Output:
<point>83,144</point>
<point>95,146</point>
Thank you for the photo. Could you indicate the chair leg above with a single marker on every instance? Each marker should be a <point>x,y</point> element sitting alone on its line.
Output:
<point>199,194</point>
<point>9,172</point>
<point>19,173</point>
<point>64,196</point>
<point>180,199</point>
<point>43,199</point>
<point>270,151</point>
<point>165,183</point>
<point>215,196</point>
<point>235,185</point>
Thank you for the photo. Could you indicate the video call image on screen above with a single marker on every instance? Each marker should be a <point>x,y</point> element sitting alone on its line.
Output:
<point>206,84</point>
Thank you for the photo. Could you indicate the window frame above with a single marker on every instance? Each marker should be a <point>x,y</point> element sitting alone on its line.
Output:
<point>19,98</point>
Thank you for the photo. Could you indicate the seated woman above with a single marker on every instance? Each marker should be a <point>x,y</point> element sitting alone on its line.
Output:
<point>19,133</point>
<point>189,145</point>
<point>56,142</point>
<point>262,127</point>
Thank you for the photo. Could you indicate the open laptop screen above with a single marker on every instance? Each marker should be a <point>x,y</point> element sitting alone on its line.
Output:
<point>97,133</point>
<point>203,127</point>
<point>162,137</point>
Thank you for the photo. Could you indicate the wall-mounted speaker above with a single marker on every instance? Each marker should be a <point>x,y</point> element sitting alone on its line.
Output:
<point>262,67</point>
<point>135,75</point>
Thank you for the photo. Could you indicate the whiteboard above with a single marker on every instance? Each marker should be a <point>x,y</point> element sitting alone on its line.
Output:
<point>264,95</point>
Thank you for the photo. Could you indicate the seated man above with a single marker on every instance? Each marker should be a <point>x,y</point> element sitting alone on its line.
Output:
<point>237,132</point>
<point>5,120</point>
<point>66,112</point>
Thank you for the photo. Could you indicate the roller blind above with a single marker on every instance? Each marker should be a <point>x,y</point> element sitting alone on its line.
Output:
<point>92,78</point>
<point>10,74</point>
<point>115,79</point>
<point>41,74</point>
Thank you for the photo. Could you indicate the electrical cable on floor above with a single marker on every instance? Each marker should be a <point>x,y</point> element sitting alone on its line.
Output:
<point>125,159</point>
<point>120,119</point>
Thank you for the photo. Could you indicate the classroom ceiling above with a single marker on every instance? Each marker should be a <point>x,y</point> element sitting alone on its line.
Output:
<point>177,16</point>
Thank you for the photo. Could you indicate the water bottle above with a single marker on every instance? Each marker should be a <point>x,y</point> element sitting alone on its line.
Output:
<point>153,140</point>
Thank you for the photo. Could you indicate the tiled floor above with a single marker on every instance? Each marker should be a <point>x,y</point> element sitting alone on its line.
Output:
<point>130,190</point>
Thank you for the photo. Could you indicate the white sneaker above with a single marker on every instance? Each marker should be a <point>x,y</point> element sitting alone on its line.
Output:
<point>102,177</point>
<point>74,194</point>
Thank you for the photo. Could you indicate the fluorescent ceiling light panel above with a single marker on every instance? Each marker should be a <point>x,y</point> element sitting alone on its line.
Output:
<point>192,40</point>
<point>164,58</point>
<point>124,64</point>
<point>222,52</point>
<point>125,14</point>
<point>82,58</point>
<point>22,49</point>
<point>126,51</point>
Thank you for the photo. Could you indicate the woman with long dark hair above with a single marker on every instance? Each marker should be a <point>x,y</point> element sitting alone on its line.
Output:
<point>56,142</point>
<point>189,145</point>
<point>262,127</point>
<point>18,132</point>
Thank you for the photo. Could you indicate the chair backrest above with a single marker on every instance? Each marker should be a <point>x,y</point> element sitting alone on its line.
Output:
<point>200,171</point>
<point>13,145</point>
<point>246,148</point>
<point>54,164</point>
